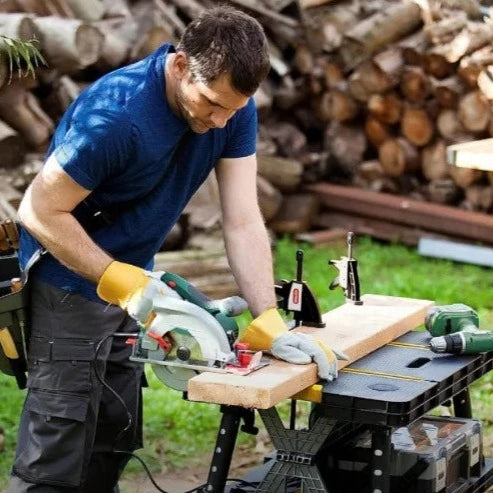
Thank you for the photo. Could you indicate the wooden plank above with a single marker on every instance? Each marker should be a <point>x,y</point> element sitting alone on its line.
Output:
<point>376,228</point>
<point>434,217</point>
<point>356,330</point>
<point>477,154</point>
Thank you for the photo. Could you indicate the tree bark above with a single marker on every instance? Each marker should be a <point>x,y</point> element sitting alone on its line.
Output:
<point>291,141</point>
<point>366,80</point>
<point>371,170</point>
<point>69,44</point>
<point>479,197</point>
<point>385,107</point>
<point>303,59</point>
<point>451,129</point>
<point>398,156</point>
<point>20,109</point>
<point>485,82</point>
<point>64,92</point>
<point>116,8</point>
<point>440,60</point>
<point>115,48</point>
<point>434,161</point>
<point>346,144</point>
<point>391,64</point>
<point>447,91</point>
<point>474,111</point>
<point>269,198</point>
<point>382,28</point>
<point>437,65</point>
<point>442,191</point>
<point>471,65</point>
<point>414,47</point>
<point>333,75</point>
<point>12,149</point>
<point>415,85</point>
<point>337,105</point>
<point>464,177</point>
<point>282,173</point>
<point>296,214</point>
<point>445,30</point>
<point>87,10</point>
<point>18,26</point>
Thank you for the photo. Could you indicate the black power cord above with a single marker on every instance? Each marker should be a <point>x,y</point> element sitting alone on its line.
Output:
<point>118,397</point>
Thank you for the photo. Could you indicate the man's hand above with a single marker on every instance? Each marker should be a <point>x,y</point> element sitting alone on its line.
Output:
<point>133,289</point>
<point>268,332</point>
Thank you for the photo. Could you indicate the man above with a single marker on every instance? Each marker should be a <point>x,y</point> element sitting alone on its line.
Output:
<point>125,159</point>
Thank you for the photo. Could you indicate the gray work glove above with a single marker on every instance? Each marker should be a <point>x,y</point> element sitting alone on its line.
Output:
<point>302,349</point>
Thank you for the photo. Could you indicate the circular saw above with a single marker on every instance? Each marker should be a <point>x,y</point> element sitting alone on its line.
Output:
<point>190,333</point>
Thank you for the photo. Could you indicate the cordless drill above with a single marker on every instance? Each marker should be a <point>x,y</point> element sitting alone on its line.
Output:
<point>455,330</point>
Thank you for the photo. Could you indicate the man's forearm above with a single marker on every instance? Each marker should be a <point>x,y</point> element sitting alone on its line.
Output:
<point>67,241</point>
<point>250,257</point>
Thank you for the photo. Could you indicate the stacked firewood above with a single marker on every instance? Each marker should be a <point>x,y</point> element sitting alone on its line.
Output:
<point>361,92</point>
<point>398,88</point>
<point>391,119</point>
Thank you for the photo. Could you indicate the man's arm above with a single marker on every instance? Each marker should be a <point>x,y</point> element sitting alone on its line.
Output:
<point>45,212</point>
<point>246,239</point>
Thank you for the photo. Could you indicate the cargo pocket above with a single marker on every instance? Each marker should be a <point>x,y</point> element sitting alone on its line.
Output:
<point>60,365</point>
<point>52,438</point>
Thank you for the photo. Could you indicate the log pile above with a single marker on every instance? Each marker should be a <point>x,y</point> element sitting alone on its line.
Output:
<point>363,93</point>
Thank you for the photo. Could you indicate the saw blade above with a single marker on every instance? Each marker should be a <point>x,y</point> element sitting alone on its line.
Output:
<point>176,377</point>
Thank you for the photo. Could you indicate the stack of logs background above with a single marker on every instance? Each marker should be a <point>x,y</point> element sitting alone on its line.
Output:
<point>366,93</point>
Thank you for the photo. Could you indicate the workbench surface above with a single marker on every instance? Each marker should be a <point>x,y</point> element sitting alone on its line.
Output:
<point>355,330</point>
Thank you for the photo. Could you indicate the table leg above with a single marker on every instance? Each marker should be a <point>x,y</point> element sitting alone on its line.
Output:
<point>380,460</point>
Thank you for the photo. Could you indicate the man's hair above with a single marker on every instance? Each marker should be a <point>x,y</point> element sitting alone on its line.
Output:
<point>225,40</point>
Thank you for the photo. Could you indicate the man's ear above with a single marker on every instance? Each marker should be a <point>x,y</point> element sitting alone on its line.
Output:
<point>179,65</point>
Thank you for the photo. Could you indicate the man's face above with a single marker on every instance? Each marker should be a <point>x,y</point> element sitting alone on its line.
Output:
<point>207,106</point>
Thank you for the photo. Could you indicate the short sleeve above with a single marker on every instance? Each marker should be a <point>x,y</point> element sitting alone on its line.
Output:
<point>243,138</point>
<point>95,148</point>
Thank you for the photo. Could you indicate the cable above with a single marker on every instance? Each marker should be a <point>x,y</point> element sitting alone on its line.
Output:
<point>100,378</point>
<point>198,489</point>
<point>111,389</point>
<point>144,465</point>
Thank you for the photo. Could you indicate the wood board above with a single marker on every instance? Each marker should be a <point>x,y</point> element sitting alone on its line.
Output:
<point>404,210</point>
<point>355,330</point>
<point>476,154</point>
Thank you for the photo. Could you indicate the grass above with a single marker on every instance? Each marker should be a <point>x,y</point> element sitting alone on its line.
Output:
<point>177,431</point>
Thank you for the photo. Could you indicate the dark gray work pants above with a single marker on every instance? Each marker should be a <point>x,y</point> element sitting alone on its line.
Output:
<point>69,423</point>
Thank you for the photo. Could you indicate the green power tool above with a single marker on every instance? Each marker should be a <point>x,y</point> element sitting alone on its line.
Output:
<point>190,333</point>
<point>455,330</point>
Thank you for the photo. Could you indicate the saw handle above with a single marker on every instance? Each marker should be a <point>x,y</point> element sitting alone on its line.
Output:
<point>231,306</point>
<point>186,290</point>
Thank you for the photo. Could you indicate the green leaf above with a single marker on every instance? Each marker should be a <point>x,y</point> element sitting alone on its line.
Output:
<point>23,53</point>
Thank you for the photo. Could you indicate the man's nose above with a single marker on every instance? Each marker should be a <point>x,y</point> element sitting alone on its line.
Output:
<point>220,117</point>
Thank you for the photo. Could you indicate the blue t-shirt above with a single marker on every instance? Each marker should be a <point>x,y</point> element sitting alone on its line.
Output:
<point>121,140</point>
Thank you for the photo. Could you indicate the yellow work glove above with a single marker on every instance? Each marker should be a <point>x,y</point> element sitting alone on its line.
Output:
<point>133,289</point>
<point>268,332</point>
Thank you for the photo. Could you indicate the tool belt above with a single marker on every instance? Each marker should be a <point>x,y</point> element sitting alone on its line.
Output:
<point>14,297</point>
